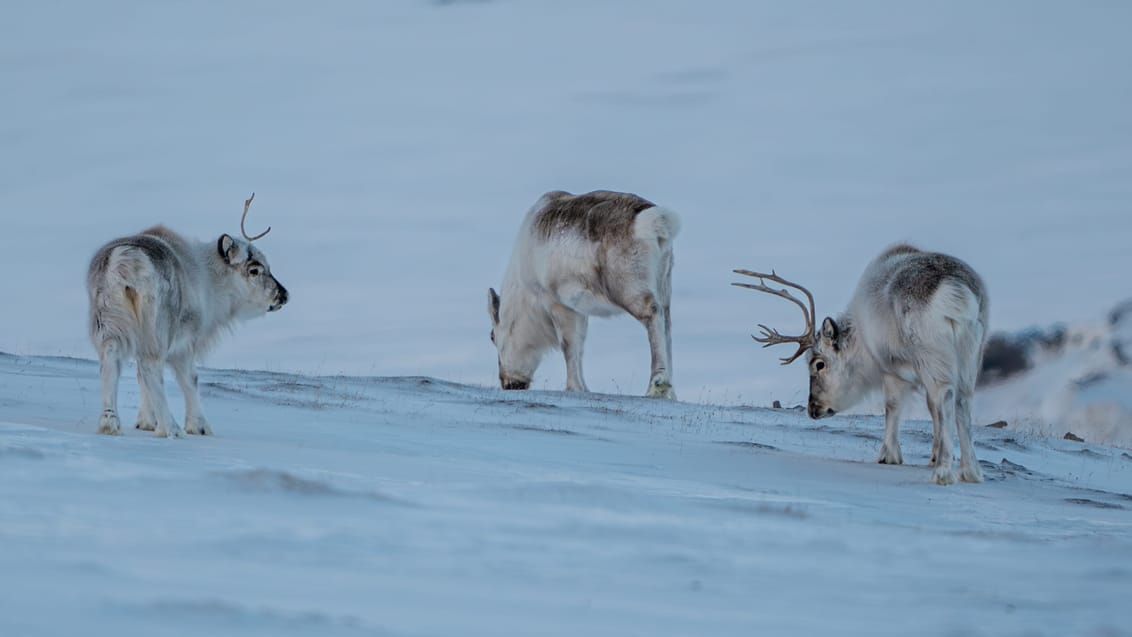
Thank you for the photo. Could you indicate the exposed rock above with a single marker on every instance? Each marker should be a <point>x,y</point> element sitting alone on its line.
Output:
<point>1009,354</point>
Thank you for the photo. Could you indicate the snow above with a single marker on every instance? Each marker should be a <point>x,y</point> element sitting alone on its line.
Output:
<point>413,506</point>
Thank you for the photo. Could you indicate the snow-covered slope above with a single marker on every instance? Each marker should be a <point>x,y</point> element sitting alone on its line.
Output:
<point>413,506</point>
<point>1065,380</point>
<point>394,145</point>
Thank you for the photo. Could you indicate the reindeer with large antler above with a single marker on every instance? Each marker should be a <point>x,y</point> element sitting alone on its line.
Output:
<point>918,320</point>
<point>164,300</point>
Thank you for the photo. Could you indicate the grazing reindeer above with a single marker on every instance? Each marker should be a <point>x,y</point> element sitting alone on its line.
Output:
<point>163,299</point>
<point>596,254</point>
<point>917,320</point>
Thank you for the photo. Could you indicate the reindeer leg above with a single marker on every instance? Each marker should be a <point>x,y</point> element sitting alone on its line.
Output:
<point>111,370</point>
<point>186,372</point>
<point>941,401</point>
<point>895,391</point>
<point>668,333</point>
<point>936,434</point>
<point>649,313</point>
<point>968,464</point>
<point>151,374</point>
<point>147,421</point>
<point>571,327</point>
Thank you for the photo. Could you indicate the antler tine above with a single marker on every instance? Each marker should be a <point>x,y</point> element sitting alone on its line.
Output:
<point>772,337</point>
<point>248,204</point>
<point>810,313</point>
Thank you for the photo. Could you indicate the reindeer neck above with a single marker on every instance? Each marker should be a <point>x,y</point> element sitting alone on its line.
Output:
<point>220,299</point>
<point>860,366</point>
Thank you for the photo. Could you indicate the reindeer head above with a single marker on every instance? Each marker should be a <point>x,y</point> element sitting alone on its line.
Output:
<point>517,359</point>
<point>247,274</point>
<point>831,384</point>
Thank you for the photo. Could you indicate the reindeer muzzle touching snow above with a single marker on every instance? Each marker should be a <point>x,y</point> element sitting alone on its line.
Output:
<point>817,411</point>
<point>805,341</point>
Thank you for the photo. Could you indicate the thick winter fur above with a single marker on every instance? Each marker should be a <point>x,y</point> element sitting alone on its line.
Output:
<point>918,320</point>
<point>165,300</point>
<point>576,256</point>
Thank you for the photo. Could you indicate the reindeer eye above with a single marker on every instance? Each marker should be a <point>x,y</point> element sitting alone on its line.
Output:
<point>820,365</point>
<point>255,270</point>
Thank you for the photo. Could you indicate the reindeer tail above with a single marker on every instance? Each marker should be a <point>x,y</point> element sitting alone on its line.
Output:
<point>657,223</point>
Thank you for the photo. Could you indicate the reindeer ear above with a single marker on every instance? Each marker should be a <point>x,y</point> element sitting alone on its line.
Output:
<point>229,249</point>
<point>493,306</point>
<point>829,331</point>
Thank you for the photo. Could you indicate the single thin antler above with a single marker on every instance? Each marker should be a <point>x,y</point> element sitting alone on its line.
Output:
<point>806,339</point>
<point>248,204</point>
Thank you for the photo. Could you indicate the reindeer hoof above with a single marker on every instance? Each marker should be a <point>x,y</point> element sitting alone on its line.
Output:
<point>174,431</point>
<point>109,424</point>
<point>198,428</point>
<point>970,473</point>
<point>146,425</point>
<point>661,390</point>
<point>943,476</point>
<point>889,456</point>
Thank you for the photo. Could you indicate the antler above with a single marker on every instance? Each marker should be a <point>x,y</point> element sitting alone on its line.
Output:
<point>248,204</point>
<point>806,339</point>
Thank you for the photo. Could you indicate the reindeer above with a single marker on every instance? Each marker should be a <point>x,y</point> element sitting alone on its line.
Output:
<point>576,256</point>
<point>918,320</point>
<point>164,300</point>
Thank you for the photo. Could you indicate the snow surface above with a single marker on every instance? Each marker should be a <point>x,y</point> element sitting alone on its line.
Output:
<point>411,506</point>
<point>1081,387</point>
<point>394,146</point>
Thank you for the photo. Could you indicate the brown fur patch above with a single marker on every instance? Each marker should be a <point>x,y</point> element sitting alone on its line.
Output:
<point>133,301</point>
<point>597,215</point>
<point>922,274</point>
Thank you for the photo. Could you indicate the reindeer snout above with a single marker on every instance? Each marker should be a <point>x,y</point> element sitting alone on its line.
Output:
<point>280,296</point>
<point>816,411</point>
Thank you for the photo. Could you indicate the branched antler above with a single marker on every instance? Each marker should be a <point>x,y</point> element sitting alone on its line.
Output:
<point>248,204</point>
<point>806,339</point>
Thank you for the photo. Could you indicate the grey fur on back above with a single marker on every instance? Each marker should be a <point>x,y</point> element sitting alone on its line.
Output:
<point>172,259</point>
<point>598,215</point>
<point>921,273</point>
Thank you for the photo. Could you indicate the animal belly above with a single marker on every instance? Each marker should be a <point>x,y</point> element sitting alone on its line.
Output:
<point>590,304</point>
